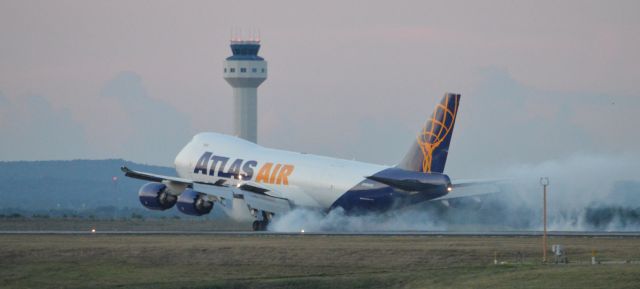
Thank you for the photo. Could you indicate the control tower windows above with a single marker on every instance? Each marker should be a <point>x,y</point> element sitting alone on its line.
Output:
<point>243,70</point>
<point>254,69</point>
<point>263,70</point>
<point>232,70</point>
<point>225,70</point>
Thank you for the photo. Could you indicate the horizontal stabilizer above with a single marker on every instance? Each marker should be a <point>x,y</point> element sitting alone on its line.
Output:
<point>410,185</point>
<point>473,188</point>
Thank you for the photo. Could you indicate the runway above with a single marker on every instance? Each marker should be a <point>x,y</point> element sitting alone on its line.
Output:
<point>385,233</point>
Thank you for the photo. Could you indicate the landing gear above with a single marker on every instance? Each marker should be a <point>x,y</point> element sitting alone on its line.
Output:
<point>261,225</point>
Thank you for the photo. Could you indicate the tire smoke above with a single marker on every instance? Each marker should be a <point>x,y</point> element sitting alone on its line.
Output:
<point>586,193</point>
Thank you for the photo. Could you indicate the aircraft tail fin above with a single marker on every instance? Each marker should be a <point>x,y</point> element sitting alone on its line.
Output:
<point>429,152</point>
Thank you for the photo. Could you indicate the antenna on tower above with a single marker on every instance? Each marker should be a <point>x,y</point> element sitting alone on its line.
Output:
<point>250,35</point>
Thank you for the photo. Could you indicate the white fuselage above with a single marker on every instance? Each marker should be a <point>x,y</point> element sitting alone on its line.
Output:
<point>308,180</point>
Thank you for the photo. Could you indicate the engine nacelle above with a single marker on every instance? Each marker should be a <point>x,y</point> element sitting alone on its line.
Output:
<point>155,196</point>
<point>193,203</point>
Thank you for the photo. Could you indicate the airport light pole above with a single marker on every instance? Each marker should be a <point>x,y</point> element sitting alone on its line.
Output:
<point>114,180</point>
<point>544,181</point>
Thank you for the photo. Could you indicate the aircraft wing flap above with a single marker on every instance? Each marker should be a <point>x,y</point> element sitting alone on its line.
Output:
<point>218,191</point>
<point>254,196</point>
<point>267,203</point>
<point>254,188</point>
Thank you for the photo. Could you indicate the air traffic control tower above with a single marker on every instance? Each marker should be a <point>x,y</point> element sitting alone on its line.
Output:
<point>245,71</point>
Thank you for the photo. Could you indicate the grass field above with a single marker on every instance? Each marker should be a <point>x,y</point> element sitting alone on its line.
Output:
<point>145,225</point>
<point>270,261</point>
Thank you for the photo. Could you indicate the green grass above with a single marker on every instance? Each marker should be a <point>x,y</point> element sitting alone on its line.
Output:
<point>150,224</point>
<point>213,261</point>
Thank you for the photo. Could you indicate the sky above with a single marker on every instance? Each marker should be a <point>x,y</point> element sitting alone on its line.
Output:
<point>540,81</point>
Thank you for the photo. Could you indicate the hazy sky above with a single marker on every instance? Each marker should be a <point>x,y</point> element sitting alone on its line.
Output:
<point>540,80</point>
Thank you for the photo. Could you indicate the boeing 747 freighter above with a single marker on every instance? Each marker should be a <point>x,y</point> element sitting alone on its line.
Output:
<point>226,171</point>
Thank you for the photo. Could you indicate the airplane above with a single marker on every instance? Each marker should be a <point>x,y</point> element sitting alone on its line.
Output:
<point>235,173</point>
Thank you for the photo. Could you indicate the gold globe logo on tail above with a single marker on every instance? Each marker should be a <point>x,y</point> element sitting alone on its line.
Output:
<point>436,130</point>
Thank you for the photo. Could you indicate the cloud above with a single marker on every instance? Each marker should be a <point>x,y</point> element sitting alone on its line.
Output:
<point>503,122</point>
<point>123,122</point>
<point>136,125</point>
<point>32,129</point>
<point>127,87</point>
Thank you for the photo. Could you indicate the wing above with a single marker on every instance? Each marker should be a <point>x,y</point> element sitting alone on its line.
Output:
<point>255,195</point>
<point>153,177</point>
<point>472,188</point>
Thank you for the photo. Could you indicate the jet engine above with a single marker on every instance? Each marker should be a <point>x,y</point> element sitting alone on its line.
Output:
<point>194,203</point>
<point>156,196</point>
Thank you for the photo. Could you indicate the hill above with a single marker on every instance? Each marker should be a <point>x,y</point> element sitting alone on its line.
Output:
<point>42,185</point>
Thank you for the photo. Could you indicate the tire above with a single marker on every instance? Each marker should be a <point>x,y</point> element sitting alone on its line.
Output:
<point>257,226</point>
<point>263,225</point>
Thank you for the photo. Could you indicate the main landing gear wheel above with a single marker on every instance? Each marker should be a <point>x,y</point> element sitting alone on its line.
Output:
<point>260,225</point>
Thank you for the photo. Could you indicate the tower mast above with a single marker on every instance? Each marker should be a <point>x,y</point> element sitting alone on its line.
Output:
<point>245,71</point>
